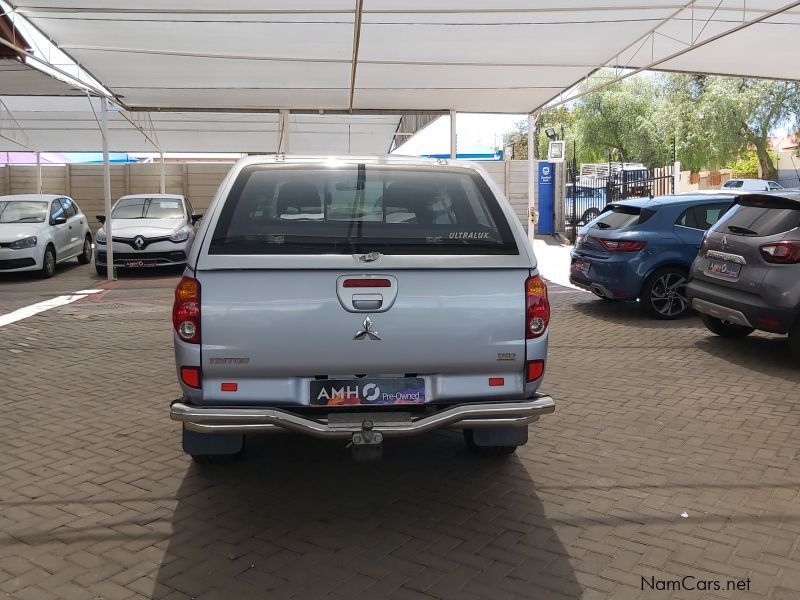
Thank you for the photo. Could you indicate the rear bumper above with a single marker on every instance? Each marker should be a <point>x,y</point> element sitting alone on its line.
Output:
<point>254,420</point>
<point>741,308</point>
<point>615,278</point>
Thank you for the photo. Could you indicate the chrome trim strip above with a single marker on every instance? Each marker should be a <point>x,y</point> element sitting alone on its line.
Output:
<point>244,420</point>
<point>734,258</point>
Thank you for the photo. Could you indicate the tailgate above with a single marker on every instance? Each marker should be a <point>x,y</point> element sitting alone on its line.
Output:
<point>278,329</point>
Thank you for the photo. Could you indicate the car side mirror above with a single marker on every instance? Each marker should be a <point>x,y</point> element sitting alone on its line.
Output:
<point>196,217</point>
<point>101,218</point>
<point>60,221</point>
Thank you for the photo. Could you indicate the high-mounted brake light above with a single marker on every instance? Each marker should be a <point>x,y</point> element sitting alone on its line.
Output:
<point>367,283</point>
<point>622,245</point>
<point>186,310</point>
<point>784,253</point>
<point>537,307</point>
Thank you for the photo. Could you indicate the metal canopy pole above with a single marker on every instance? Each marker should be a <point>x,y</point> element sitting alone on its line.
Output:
<point>38,173</point>
<point>107,190</point>
<point>531,178</point>
<point>283,133</point>
<point>453,153</point>
<point>163,175</point>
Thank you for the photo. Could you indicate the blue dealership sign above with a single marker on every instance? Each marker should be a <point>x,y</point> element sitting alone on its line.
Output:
<point>545,198</point>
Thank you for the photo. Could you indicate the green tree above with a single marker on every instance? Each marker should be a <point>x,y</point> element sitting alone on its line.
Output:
<point>624,119</point>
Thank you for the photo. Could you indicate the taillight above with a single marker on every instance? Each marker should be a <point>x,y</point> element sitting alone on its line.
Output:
<point>537,307</point>
<point>534,371</point>
<point>622,245</point>
<point>186,310</point>
<point>785,253</point>
<point>190,376</point>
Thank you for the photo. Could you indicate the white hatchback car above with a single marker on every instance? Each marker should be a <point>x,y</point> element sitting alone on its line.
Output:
<point>751,185</point>
<point>37,231</point>
<point>149,230</point>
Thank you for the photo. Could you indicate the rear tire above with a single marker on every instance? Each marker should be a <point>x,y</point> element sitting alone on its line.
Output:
<point>48,262</point>
<point>794,341</point>
<point>724,329</point>
<point>489,451</point>
<point>102,271</point>
<point>85,257</point>
<point>664,294</point>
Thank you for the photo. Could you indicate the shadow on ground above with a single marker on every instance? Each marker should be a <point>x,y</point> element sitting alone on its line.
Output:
<point>296,516</point>
<point>760,353</point>
<point>628,313</point>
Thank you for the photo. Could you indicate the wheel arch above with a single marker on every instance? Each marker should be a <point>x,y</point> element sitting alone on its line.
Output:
<point>663,265</point>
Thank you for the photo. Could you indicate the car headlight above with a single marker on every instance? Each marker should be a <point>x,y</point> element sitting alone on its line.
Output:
<point>28,242</point>
<point>179,236</point>
<point>100,238</point>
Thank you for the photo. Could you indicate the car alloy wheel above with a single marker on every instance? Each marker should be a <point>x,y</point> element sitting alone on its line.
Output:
<point>49,262</point>
<point>666,294</point>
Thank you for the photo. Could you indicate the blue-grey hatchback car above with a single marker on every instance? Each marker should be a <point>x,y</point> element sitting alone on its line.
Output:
<point>643,249</point>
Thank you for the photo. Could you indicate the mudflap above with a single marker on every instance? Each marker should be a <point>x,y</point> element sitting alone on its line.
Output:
<point>500,436</point>
<point>201,444</point>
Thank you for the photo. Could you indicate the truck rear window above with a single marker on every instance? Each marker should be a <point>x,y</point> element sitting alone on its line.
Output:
<point>356,209</point>
<point>762,216</point>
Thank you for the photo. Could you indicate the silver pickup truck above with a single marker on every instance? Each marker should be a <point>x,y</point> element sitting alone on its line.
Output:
<point>359,298</point>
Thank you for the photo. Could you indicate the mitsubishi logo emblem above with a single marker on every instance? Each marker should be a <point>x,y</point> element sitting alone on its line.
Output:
<point>367,331</point>
<point>138,242</point>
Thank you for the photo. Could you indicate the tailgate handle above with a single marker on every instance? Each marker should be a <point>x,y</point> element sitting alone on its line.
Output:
<point>367,301</point>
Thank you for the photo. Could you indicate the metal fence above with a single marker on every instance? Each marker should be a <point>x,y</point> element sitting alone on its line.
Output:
<point>587,195</point>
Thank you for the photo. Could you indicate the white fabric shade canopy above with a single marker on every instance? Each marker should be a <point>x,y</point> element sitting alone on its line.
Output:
<point>468,55</point>
<point>20,78</point>
<point>70,125</point>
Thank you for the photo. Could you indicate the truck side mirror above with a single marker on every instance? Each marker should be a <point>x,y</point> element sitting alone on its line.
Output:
<point>196,217</point>
<point>101,218</point>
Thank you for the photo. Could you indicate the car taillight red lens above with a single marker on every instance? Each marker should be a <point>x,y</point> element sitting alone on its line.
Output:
<point>186,310</point>
<point>622,245</point>
<point>785,253</point>
<point>534,371</point>
<point>190,376</point>
<point>537,307</point>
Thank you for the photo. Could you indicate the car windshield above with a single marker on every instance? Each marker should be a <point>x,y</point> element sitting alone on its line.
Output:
<point>733,183</point>
<point>148,208</point>
<point>359,209</point>
<point>22,211</point>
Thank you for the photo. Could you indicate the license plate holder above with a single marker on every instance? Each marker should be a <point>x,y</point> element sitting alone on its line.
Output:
<point>138,264</point>
<point>367,391</point>
<point>724,268</point>
<point>582,266</point>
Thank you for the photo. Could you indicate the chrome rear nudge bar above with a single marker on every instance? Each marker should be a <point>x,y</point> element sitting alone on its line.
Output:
<point>252,420</point>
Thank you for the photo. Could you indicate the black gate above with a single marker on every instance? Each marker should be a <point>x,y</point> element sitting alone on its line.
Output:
<point>591,187</point>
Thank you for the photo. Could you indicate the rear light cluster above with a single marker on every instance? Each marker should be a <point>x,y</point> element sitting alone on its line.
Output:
<point>622,245</point>
<point>785,253</point>
<point>537,307</point>
<point>186,310</point>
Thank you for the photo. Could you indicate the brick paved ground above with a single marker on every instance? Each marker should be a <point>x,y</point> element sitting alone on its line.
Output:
<point>653,419</point>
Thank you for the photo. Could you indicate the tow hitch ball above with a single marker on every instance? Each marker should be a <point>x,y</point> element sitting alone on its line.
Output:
<point>367,445</point>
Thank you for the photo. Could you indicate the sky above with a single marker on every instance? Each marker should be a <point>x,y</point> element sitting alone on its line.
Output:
<point>475,133</point>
